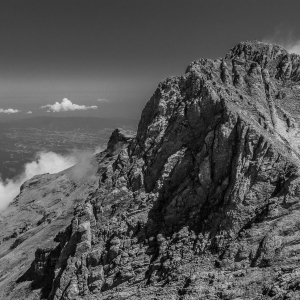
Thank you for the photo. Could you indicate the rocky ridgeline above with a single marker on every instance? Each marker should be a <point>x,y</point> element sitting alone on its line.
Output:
<point>202,204</point>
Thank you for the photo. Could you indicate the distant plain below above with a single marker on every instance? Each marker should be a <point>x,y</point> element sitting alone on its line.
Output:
<point>21,140</point>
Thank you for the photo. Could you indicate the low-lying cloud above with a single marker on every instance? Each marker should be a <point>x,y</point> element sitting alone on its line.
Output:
<point>46,162</point>
<point>66,105</point>
<point>9,111</point>
<point>29,112</point>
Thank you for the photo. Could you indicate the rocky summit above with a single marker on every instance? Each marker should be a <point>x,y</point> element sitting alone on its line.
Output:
<point>203,203</point>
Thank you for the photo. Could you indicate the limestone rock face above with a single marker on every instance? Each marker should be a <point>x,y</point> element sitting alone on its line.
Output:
<point>202,204</point>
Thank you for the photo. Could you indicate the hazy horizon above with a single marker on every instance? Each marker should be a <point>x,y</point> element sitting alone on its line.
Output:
<point>19,117</point>
<point>112,54</point>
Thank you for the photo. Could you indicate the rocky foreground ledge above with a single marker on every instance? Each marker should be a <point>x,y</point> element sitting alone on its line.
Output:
<point>202,204</point>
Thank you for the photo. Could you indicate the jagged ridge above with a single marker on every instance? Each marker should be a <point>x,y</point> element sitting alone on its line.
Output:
<point>202,204</point>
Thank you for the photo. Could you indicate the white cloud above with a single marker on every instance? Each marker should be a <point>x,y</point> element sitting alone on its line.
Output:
<point>46,162</point>
<point>9,111</point>
<point>286,39</point>
<point>103,100</point>
<point>294,47</point>
<point>66,105</point>
<point>29,112</point>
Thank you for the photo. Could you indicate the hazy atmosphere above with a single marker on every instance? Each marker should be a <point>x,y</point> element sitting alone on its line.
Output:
<point>112,54</point>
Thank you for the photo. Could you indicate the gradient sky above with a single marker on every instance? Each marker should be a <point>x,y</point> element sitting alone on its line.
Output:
<point>120,50</point>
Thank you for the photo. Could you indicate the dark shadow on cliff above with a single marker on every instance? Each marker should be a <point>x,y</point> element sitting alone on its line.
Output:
<point>42,279</point>
<point>42,269</point>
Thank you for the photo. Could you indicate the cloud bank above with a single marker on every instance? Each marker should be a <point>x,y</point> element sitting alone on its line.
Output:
<point>66,105</point>
<point>9,111</point>
<point>46,162</point>
<point>29,112</point>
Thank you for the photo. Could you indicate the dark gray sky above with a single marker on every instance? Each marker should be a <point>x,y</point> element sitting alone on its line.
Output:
<point>119,50</point>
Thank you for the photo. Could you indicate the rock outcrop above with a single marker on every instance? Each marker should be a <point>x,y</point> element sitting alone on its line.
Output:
<point>202,204</point>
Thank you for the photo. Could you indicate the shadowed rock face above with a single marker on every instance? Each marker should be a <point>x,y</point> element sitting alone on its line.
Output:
<point>202,204</point>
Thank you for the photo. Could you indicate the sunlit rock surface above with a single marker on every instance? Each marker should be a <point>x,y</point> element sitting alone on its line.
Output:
<point>202,204</point>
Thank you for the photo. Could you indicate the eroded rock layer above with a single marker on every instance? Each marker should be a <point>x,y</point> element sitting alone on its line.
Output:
<point>202,204</point>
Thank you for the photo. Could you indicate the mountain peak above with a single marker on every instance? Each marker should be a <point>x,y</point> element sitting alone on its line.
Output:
<point>256,51</point>
<point>202,204</point>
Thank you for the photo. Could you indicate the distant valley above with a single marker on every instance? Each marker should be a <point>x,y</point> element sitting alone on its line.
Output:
<point>20,140</point>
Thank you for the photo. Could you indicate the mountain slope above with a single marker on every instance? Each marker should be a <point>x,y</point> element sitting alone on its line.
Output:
<point>202,204</point>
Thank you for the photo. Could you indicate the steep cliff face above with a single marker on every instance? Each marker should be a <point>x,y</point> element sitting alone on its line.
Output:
<point>202,204</point>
